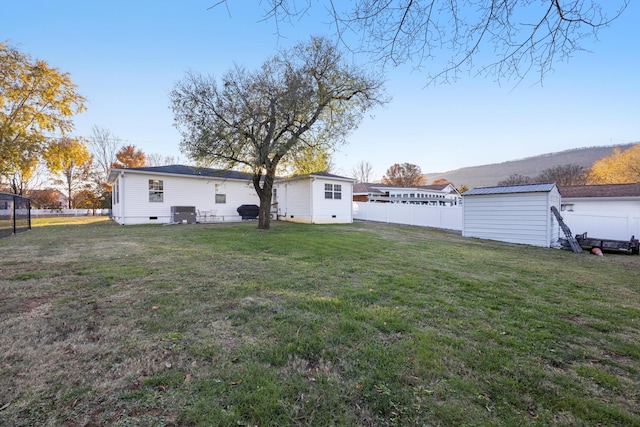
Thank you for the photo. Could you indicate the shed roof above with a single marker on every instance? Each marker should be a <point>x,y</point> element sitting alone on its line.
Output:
<point>511,189</point>
<point>605,190</point>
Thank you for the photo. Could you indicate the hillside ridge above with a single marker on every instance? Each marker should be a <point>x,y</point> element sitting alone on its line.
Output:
<point>491,174</point>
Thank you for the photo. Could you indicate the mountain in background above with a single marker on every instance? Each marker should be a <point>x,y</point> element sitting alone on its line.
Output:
<point>490,175</point>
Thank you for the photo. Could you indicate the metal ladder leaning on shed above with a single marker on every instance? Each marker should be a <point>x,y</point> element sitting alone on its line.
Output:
<point>575,246</point>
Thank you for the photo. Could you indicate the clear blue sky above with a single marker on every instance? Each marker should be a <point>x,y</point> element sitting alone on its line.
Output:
<point>126,56</point>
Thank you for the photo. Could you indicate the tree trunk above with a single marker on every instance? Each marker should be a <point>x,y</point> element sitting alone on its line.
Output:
<point>264,219</point>
<point>265,193</point>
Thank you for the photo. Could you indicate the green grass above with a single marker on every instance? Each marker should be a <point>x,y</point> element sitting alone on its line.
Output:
<point>362,324</point>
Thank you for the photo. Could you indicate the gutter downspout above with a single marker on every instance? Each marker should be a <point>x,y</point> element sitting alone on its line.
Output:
<point>121,197</point>
<point>311,181</point>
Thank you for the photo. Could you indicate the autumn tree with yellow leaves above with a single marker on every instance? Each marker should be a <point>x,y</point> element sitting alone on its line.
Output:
<point>620,167</point>
<point>308,160</point>
<point>37,103</point>
<point>70,159</point>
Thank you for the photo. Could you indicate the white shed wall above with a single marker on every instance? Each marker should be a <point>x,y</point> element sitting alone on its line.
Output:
<point>554,227</point>
<point>135,207</point>
<point>523,218</point>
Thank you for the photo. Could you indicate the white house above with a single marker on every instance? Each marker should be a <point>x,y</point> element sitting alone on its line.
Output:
<point>610,211</point>
<point>317,198</point>
<point>151,195</point>
<point>437,195</point>
<point>514,214</point>
<point>177,193</point>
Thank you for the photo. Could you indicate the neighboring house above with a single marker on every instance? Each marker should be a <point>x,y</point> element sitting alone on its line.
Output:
<point>150,195</point>
<point>317,198</point>
<point>439,195</point>
<point>47,199</point>
<point>610,211</point>
<point>515,214</point>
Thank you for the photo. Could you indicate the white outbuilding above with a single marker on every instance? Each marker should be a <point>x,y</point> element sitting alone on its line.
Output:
<point>316,198</point>
<point>514,214</point>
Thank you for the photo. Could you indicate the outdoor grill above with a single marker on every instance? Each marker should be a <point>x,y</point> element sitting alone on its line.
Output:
<point>249,211</point>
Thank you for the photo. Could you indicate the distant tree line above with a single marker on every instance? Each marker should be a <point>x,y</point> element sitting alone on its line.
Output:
<point>569,174</point>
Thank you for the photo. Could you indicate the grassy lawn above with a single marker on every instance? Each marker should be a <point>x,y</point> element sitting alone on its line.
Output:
<point>356,325</point>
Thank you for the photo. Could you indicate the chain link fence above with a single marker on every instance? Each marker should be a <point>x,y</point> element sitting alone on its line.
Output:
<point>15,214</point>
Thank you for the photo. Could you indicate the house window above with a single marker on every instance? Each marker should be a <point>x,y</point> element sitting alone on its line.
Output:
<point>275,195</point>
<point>567,207</point>
<point>328,191</point>
<point>333,191</point>
<point>221,194</point>
<point>156,190</point>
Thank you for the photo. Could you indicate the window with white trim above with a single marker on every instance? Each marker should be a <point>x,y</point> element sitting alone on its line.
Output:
<point>333,191</point>
<point>156,191</point>
<point>221,194</point>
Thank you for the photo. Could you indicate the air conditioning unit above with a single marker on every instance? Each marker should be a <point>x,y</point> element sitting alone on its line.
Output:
<point>183,214</point>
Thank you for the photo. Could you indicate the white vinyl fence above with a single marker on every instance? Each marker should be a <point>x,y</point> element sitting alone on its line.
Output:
<point>608,225</point>
<point>445,217</point>
<point>620,226</point>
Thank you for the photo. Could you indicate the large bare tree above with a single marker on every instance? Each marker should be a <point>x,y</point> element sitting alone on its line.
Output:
<point>568,174</point>
<point>503,39</point>
<point>301,97</point>
<point>104,146</point>
<point>362,172</point>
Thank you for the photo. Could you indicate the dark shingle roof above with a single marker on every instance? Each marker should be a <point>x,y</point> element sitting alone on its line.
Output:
<point>511,189</point>
<point>438,187</point>
<point>366,188</point>
<point>330,175</point>
<point>195,171</point>
<point>190,171</point>
<point>215,173</point>
<point>605,190</point>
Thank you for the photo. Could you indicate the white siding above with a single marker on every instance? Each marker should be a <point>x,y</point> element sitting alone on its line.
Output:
<point>555,232</point>
<point>523,218</point>
<point>294,201</point>
<point>303,200</point>
<point>135,207</point>
<point>607,219</point>
<point>332,211</point>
